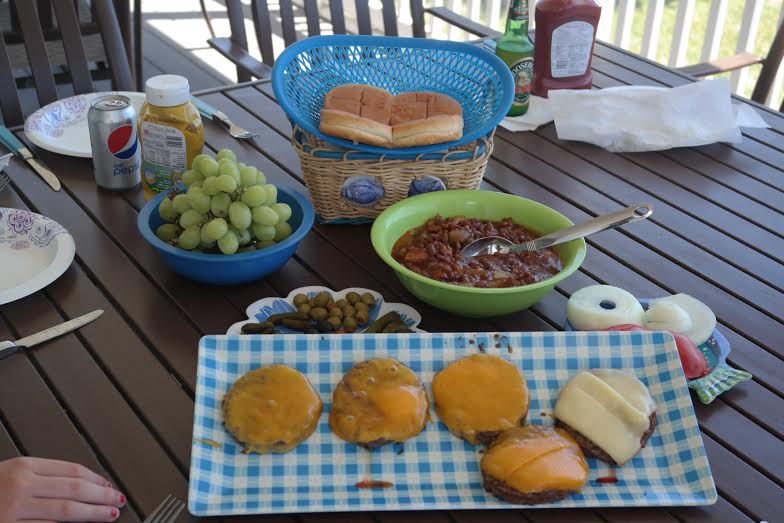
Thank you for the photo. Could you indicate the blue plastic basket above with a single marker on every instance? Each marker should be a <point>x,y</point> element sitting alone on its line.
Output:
<point>308,69</point>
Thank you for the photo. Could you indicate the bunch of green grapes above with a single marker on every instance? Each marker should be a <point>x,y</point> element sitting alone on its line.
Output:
<point>228,207</point>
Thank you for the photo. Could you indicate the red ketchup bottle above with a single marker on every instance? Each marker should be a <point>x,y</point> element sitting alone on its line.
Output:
<point>565,33</point>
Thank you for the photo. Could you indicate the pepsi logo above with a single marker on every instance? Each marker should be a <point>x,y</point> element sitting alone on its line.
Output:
<point>122,142</point>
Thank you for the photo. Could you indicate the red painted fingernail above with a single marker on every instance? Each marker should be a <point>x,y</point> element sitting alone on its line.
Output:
<point>115,513</point>
<point>122,499</point>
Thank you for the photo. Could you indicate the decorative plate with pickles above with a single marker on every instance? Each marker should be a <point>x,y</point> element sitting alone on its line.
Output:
<point>320,310</point>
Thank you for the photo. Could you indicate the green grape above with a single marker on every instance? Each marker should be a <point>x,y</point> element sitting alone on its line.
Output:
<point>244,236</point>
<point>247,176</point>
<point>263,232</point>
<point>282,231</point>
<point>229,243</point>
<point>199,199</point>
<point>226,183</point>
<point>208,167</point>
<point>216,229</point>
<point>264,244</point>
<point>196,184</point>
<point>210,186</point>
<point>254,196</point>
<point>189,238</point>
<point>167,232</point>
<point>240,215</point>
<point>264,215</point>
<point>220,205</point>
<point>260,178</point>
<point>272,193</point>
<point>190,218</point>
<point>166,210</point>
<point>195,164</point>
<point>227,153</point>
<point>231,169</point>
<point>205,239</point>
<point>181,203</point>
<point>188,177</point>
<point>283,210</point>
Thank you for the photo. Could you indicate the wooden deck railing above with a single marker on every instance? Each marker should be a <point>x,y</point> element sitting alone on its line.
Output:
<point>618,19</point>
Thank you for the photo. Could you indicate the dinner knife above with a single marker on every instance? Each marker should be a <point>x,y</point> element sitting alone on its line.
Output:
<point>9,347</point>
<point>8,139</point>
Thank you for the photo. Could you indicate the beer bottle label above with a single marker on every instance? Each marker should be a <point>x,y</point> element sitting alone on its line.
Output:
<point>518,10</point>
<point>523,73</point>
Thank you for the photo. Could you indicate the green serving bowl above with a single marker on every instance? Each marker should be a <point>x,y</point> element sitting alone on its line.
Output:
<point>470,301</point>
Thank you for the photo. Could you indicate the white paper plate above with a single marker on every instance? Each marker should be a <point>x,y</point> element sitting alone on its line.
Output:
<point>61,126</point>
<point>34,251</point>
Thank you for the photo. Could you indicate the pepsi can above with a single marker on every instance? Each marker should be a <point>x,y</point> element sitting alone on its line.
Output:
<point>115,142</point>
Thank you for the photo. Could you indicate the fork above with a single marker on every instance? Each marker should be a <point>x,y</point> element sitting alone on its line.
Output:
<point>235,130</point>
<point>167,511</point>
<point>4,181</point>
<point>213,114</point>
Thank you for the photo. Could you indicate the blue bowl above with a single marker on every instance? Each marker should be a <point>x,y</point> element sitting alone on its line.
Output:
<point>219,269</point>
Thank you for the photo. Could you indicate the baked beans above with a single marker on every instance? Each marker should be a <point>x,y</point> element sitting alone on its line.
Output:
<point>433,250</point>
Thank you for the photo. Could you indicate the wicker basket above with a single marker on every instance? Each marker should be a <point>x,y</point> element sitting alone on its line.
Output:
<point>328,172</point>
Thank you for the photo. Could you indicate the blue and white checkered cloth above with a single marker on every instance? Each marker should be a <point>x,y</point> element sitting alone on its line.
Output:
<point>434,470</point>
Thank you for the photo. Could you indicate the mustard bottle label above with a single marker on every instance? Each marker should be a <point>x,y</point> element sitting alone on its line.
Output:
<point>163,156</point>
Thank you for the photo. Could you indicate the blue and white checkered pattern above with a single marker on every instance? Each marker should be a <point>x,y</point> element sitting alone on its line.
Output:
<point>434,470</point>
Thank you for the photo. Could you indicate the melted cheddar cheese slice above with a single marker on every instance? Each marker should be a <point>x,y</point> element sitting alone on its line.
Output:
<point>379,401</point>
<point>535,459</point>
<point>611,408</point>
<point>480,393</point>
<point>271,409</point>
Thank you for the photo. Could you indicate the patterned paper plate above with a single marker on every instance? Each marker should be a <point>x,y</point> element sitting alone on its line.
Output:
<point>721,377</point>
<point>434,470</point>
<point>34,251</point>
<point>264,308</point>
<point>61,126</point>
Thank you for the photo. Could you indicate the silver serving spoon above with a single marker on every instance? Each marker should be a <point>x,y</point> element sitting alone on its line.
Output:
<point>496,244</point>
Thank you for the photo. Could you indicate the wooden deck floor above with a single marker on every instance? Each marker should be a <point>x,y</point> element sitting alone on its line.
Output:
<point>175,42</point>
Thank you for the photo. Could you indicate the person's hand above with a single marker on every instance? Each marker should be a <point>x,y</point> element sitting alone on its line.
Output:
<point>36,490</point>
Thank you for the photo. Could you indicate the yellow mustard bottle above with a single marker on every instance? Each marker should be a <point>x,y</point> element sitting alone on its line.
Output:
<point>170,131</point>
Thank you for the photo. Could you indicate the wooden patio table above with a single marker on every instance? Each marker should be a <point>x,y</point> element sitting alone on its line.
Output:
<point>117,395</point>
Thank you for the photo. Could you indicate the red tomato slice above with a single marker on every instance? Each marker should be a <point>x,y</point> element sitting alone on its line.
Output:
<point>625,327</point>
<point>692,360</point>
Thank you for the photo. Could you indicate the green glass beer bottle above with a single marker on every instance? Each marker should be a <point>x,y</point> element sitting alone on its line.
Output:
<point>516,49</point>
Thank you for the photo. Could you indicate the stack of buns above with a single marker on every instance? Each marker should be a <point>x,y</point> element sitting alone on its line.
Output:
<point>367,114</point>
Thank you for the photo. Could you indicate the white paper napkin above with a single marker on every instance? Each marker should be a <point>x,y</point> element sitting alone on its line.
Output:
<point>539,113</point>
<point>637,118</point>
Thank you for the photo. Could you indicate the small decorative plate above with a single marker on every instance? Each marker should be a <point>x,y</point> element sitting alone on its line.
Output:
<point>34,251</point>
<point>61,126</point>
<point>264,308</point>
<point>721,377</point>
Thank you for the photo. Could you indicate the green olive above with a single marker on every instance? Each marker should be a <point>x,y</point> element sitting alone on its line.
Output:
<point>368,299</point>
<point>322,299</point>
<point>362,317</point>
<point>349,324</point>
<point>334,312</point>
<point>349,311</point>
<point>299,299</point>
<point>342,302</point>
<point>335,322</point>
<point>318,313</point>
<point>361,307</point>
<point>305,307</point>
<point>353,297</point>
